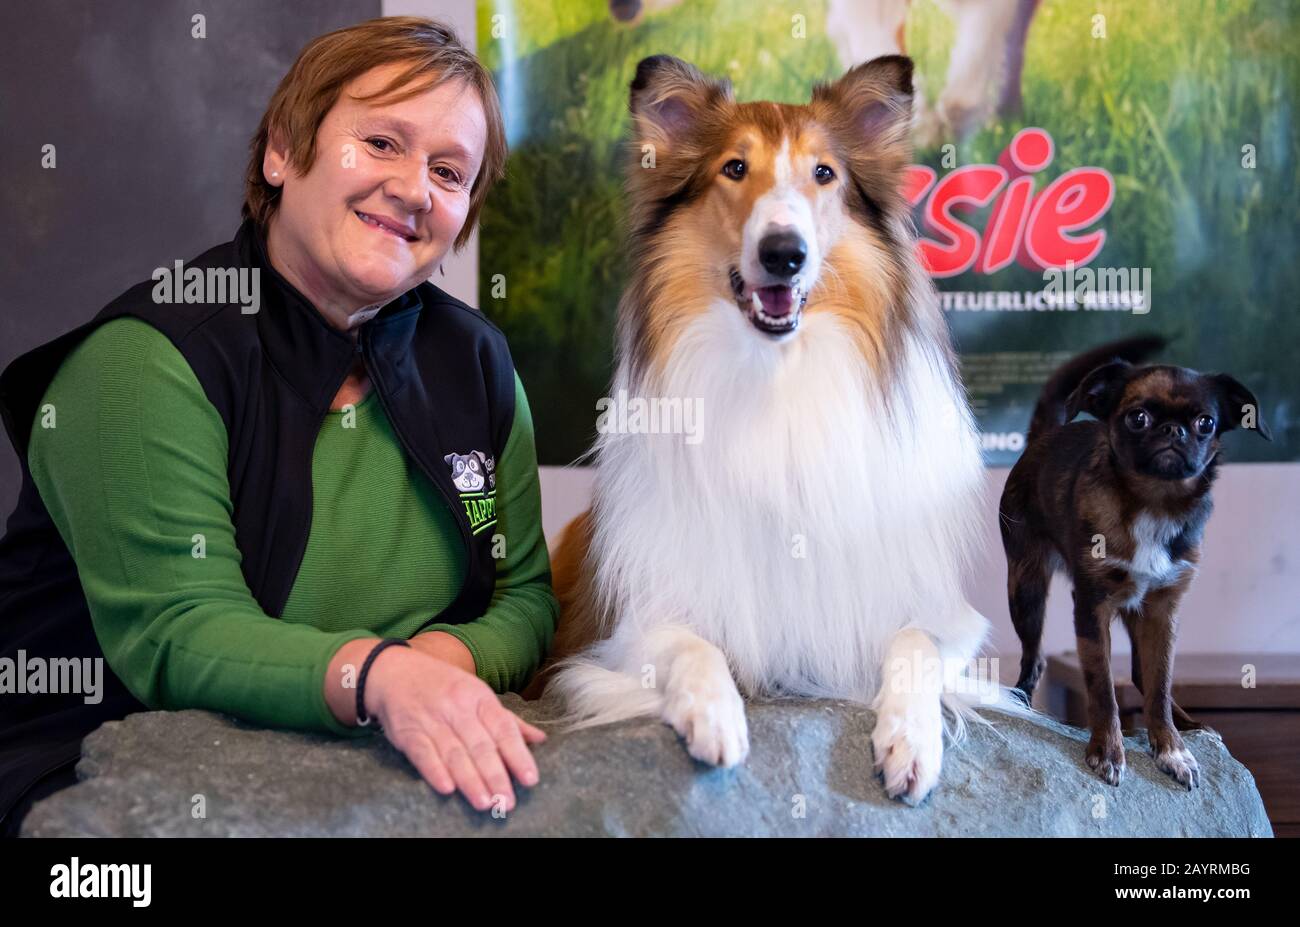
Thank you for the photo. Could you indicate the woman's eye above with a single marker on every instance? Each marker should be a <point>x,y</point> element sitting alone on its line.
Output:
<point>735,169</point>
<point>1205,425</point>
<point>823,174</point>
<point>1138,419</point>
<point>449,174</point>
<point>382,144</point>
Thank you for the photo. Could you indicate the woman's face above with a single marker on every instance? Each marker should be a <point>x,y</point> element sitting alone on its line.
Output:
<point>386,197</point>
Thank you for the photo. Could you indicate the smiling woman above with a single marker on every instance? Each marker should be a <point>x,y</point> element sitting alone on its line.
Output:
<point>244,510</point>
<point>390,192</point>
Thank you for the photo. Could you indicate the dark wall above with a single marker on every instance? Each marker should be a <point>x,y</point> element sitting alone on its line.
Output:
<point>150,127</point>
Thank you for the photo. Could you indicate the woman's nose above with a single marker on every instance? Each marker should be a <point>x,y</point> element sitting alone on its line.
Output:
<point>410,184</point>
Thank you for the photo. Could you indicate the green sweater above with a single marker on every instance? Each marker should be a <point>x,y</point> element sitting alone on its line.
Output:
<point>130,459</point>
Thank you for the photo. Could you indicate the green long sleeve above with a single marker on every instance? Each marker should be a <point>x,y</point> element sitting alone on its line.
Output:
<point>133,473</point>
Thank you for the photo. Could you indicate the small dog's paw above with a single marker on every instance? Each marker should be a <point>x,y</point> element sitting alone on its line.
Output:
<point>712,721</point>
<point>908,747</point>
<point>1179,763</point>
<point>1106,758</point>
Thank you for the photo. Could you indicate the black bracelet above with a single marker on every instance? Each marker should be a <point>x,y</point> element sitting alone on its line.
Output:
<point>362,718</point>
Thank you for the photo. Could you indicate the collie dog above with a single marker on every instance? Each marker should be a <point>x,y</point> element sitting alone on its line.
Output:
<point>810,540</point>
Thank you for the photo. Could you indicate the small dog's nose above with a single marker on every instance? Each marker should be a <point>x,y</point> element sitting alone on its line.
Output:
<point>1173,430</point>
<point>782,253</point>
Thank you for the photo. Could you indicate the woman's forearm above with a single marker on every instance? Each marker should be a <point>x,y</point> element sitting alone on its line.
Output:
<point>342,676</point>
<point>447,647</point>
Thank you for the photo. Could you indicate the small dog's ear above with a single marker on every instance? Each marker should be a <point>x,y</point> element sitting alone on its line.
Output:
<point>1238,407</point>
<point>1098,392</point>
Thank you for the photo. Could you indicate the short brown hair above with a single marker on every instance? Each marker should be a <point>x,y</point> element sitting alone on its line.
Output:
<point>433,54</point>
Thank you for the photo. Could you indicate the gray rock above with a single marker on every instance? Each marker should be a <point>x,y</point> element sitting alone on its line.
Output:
<point>809,773</point>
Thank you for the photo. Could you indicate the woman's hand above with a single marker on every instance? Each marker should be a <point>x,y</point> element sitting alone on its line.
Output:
<point>449,724</point>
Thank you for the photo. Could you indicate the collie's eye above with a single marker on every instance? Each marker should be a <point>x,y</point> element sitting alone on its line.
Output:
<point>1205,425</point>
<point>823,174</point>
<point>1138,420</point>
<point>735,169</point>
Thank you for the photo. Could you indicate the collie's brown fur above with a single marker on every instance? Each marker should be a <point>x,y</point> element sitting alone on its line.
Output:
<point>580,624</point>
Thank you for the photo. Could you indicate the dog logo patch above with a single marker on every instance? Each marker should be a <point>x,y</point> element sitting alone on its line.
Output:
<point>474,476</point>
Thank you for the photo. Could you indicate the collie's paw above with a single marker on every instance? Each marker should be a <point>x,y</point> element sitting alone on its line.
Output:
<point>712,721</point>
<point>908,746</point>
<point>1174,759</point>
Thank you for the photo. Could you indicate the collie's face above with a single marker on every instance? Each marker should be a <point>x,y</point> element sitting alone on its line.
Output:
<point>778,200</point>
<point>767,210</point>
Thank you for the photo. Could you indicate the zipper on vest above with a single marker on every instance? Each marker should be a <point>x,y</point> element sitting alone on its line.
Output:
<point>465,538</point>
<point>311,501</point>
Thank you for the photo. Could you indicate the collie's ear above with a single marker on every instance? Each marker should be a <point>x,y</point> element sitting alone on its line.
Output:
<point>1098,392</point>
<point>873,100</point>
<point>1238,406</point>
<point>670,98</point>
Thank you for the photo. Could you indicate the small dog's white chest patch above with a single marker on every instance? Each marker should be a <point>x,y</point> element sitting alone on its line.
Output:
<point>1151,563</point>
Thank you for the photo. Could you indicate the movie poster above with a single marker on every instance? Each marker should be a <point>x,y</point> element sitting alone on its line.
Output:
<point>1083,171</point>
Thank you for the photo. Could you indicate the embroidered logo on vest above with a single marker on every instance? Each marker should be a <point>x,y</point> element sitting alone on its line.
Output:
<point>474,476</point>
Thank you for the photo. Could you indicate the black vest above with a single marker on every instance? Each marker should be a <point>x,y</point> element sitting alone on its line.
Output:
<point>444,377</point>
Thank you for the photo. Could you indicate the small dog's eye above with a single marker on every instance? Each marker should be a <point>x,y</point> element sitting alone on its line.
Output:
<point>735,169</point>
<point>823,174</point>
<point>1137,419</point>
<point>1205,425</point>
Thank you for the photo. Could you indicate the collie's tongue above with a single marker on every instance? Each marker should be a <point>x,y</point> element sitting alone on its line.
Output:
<point>777,300</point>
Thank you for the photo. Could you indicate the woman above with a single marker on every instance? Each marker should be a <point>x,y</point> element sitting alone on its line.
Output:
<point>255,492</point>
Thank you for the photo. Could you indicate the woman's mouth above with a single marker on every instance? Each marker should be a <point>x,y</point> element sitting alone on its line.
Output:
<point>386,224</point>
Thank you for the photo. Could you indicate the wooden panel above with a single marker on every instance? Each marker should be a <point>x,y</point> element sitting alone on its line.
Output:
<point>1268,744</point>
<point>1206,681</point>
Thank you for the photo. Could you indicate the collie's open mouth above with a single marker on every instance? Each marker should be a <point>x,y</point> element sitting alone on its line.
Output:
<point>773,310</point>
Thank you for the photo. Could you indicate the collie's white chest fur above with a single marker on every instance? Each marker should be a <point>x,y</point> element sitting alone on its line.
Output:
<point>813,519</point>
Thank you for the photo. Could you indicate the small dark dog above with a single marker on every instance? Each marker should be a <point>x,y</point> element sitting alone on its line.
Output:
<point>1120,503</point>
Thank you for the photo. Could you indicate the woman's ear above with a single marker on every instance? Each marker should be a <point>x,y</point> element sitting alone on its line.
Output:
<point>275,160</point>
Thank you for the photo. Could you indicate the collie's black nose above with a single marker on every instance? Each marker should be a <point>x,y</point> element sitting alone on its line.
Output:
<point>782,253</point>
